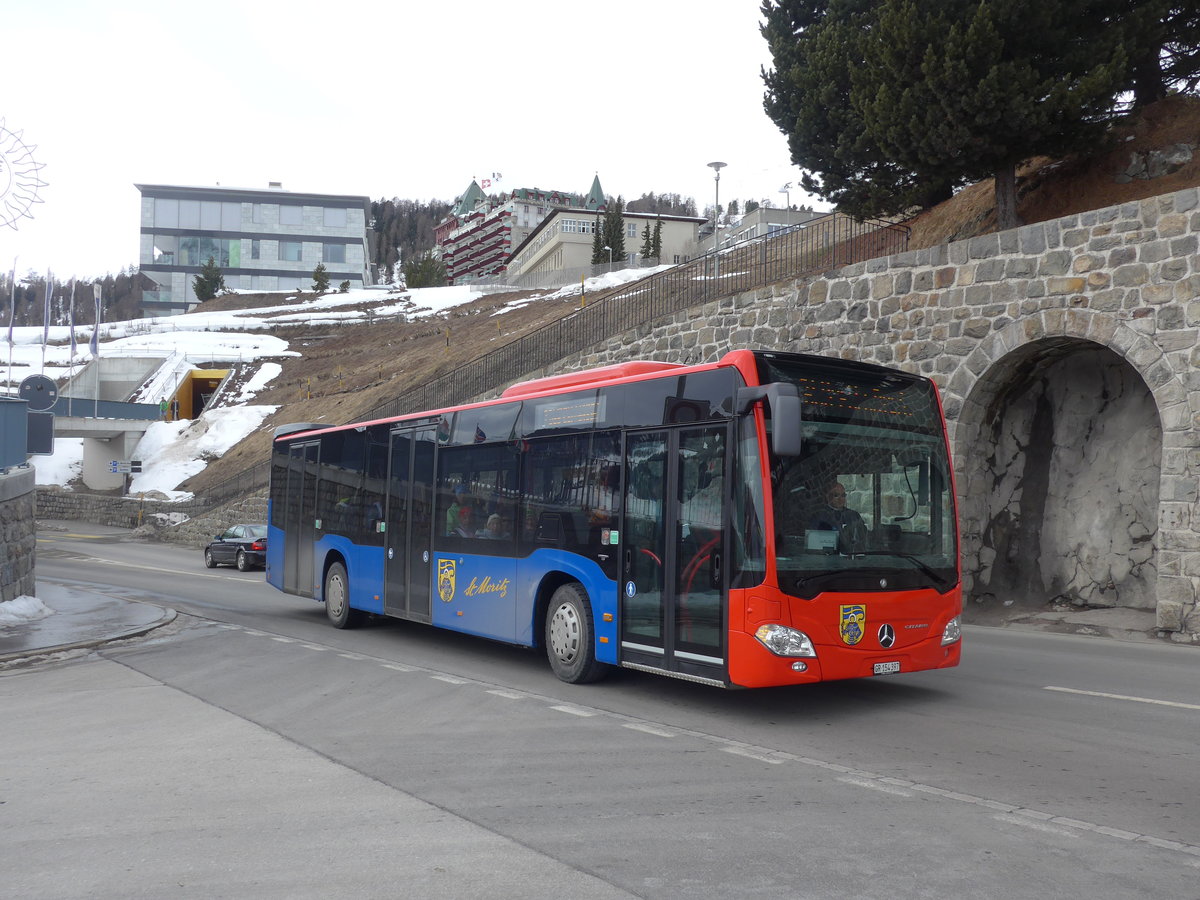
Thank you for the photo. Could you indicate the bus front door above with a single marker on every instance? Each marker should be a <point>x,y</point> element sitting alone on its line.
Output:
<point>673,590</point>
<point>407,566</point>
<point>299,522</point>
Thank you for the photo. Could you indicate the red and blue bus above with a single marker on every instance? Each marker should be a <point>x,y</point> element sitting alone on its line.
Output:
<point>768,519</point>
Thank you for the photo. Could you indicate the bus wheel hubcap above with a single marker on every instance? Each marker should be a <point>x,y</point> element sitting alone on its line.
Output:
<point>564,633</point>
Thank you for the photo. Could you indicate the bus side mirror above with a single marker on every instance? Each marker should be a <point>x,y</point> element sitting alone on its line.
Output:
<point>784,403</point>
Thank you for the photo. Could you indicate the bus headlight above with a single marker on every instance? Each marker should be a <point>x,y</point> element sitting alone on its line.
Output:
<point>784,641</point>
<point>952,632</point>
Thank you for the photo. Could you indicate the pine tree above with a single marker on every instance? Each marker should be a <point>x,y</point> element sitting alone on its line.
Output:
<point>614,231</point>
<point>320,279</point>
<point>656,241</point>
<point>599,254</point>
<point>975,88</point>
<point>647,250</point>
<point>209,282</point>
<point>425,270</point>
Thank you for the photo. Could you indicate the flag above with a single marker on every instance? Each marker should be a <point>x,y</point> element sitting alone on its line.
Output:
<point>46,311</point>
<point>95,345</point>
<point>480,437</point>
<point>12,304</point>
<point>72,319</point>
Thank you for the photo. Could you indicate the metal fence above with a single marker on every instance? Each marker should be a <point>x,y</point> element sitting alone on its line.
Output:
<point>818,245</point>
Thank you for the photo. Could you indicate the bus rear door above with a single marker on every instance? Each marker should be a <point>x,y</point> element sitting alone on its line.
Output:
<point>299,517</point>
<point>674,594</point>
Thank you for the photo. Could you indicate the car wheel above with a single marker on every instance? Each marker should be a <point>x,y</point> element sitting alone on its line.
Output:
<point>570,637</point>
<point>243,564</point>
<point>337,598</point>
<point>208,559</point>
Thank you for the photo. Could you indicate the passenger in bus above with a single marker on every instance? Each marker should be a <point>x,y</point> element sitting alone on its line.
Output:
<point>465,527</point>
<point>460,496</point>
<point>494,530</point>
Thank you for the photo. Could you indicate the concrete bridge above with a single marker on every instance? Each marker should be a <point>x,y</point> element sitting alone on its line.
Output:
<point>1067,357</point>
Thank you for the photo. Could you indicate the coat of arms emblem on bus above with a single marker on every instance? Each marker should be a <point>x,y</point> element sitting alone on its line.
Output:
<point>446,579</point>
<point>854,617</point>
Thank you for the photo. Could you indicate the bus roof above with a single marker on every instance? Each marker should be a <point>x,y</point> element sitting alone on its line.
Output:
<point>602,375</point>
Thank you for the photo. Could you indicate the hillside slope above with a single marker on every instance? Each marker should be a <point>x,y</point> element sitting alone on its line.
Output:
<point>345,371</point>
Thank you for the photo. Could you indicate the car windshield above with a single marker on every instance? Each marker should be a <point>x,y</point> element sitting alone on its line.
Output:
<point>867,505</point>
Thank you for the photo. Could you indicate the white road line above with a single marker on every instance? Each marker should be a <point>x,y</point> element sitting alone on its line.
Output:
<point>766,756</point>
<point>508,695</point>
<point>576,711</point>
<point>1066,690</point>
<point>450,679</point>
<point>1036,826</point>
<point>649,729</point>
<point>397,668</point>
<point>875,786</point>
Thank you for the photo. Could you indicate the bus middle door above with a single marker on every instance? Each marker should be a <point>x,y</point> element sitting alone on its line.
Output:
<point>673,588</point>
<point>407,564</point>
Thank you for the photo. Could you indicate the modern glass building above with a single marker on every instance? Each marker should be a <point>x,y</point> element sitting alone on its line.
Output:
<point>263,240</point>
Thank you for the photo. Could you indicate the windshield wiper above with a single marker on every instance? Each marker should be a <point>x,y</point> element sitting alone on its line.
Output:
<point>916,561</point>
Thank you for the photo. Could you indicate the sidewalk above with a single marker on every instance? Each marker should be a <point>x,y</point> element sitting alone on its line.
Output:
<point>81,619</point>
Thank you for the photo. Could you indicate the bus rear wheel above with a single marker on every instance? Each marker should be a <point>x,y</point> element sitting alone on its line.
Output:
<point>571,637</point>
<point>337,598</point>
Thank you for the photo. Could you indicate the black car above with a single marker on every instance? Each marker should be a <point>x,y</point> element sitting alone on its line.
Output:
<point>244,546</point>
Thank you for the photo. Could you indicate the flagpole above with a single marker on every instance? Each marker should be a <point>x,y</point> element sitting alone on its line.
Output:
<point>97,293</point>
<point>71,362</point>
<point>12,315</point>
<point>46,317</point>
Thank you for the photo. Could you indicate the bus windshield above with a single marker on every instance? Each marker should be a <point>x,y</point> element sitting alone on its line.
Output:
<point>867,506</point>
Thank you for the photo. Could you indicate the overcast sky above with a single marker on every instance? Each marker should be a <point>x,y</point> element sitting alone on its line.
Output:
<point>385,99</point>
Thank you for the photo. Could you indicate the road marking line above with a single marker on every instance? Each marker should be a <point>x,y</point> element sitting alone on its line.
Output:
<point>874,786</point>
<point>285,640</point>
<point>351,656</point>
<point>396,668</point>
<point>649,729</point>
<point>1065,690</point>
<point>313,647</point>
<point>508,695</point>
<point>1035,826</point>
<point>576,711</point>
<point>450,679</point>
<point>752,753</point>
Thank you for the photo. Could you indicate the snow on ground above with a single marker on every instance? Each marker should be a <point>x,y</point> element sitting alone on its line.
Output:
<point>23,609</point>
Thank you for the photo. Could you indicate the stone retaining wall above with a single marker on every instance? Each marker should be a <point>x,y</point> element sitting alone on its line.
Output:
<point>18,534</point>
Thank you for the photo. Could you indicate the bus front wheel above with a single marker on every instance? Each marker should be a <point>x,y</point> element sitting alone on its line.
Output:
<point>337,598</point>
<point>571,637</point>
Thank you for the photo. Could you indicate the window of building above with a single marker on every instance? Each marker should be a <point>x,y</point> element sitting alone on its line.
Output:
<point>255,249</point>
<point>210,215</point>
<point>231,217</point>
<point>166,213</point>
<point>333,253</point>
<point>631,229</point>
<point>334,217</point>
<point>290,250</point>
<point>189,213</point>
<point>165,247</point>
<point>291,215</point>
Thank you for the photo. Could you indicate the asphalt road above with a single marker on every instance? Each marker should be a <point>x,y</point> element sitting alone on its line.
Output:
<point>1044,766</point>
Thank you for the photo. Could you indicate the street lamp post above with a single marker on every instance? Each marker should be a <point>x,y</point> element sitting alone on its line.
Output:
<point>786,191</point>
<point>609,249</point>
<point>717,167</point>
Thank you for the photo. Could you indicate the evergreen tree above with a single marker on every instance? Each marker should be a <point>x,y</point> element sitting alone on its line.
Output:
<point>614,231</point>
<point>815,45</point>
<point>647,250</point>
<point>973,89</point>
<point>320,279</point>
<point>209,282</point>
<point>656,241</point>
<point>425,270</point>
<point>599,254</point>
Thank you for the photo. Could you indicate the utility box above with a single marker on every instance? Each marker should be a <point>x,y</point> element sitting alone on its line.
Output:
<point>14,432</point>
<point>40,437</point>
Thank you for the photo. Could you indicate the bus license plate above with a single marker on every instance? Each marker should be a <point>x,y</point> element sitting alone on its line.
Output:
<point>887,668</point>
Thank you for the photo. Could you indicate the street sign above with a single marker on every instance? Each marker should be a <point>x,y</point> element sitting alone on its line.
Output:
<point>125,466</point>
<point>39,391</point>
